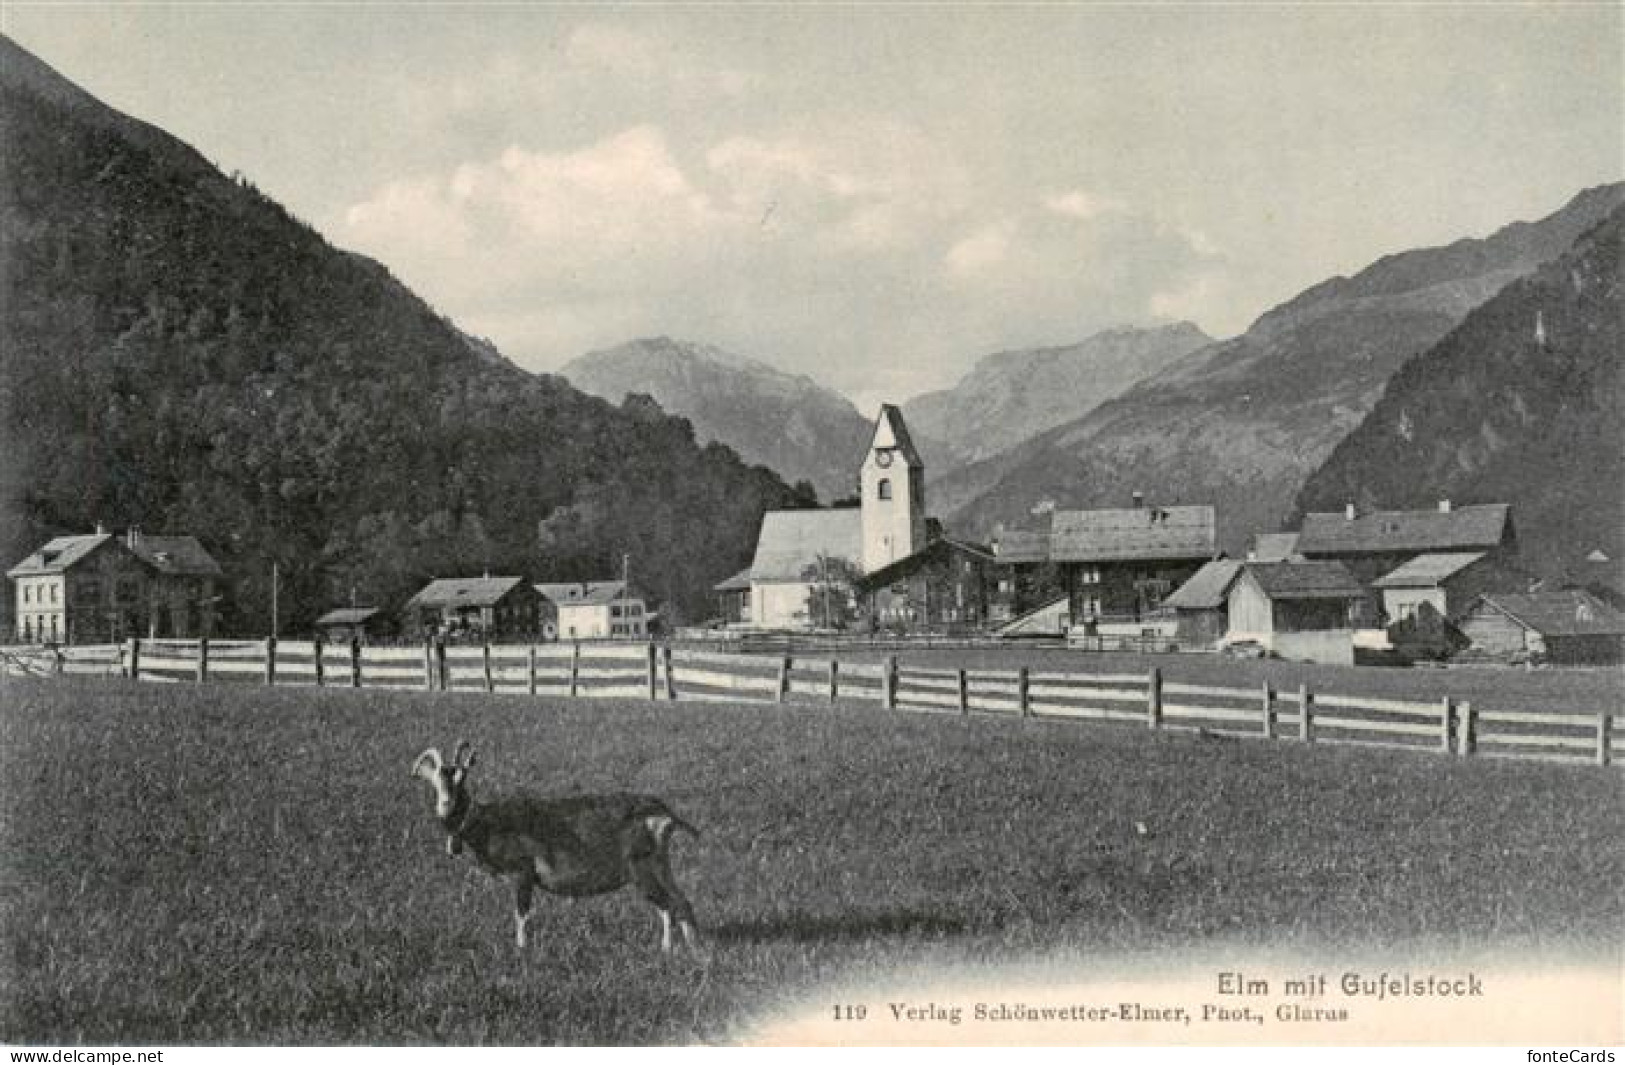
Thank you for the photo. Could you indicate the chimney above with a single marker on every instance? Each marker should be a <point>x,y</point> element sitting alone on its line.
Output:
<point>1348,512</point>
<point>132,537</point>
<point>1444,506</point>
<point>1139,500</point>
<point>101,530</point>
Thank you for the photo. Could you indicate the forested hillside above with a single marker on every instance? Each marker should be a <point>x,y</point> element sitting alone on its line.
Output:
<point>1523,403</point>
<point>182,355</point>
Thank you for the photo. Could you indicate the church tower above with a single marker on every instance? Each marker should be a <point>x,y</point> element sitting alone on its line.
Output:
<point>892,486</point>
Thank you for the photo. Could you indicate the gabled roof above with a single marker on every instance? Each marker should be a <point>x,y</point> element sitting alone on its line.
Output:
<point>1427,571</point>
<point>1022,545</point>
<point>935,549</point>
<point>348,615</point>
<point>737,583</point>
<point>1208,587</point>
<point>1563,612</point>
<point>1304,580</point>
<point>1274,547</point>
<point>1132,534</point>
<point>583,593</point>
<point>891,432</point>
<point>180,556</point>
<point>791,541</point>
<point>1470,528</point>
<point>464,591</point>
<point>58,555</point>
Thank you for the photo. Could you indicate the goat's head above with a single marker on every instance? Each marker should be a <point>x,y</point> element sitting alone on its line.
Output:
<point>446,778</point>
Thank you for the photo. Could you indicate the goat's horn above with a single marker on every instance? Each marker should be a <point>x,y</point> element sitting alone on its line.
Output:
<point>430,758</point>
<point>464,756</point>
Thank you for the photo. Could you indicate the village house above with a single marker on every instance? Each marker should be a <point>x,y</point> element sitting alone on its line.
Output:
<point>100,587</point>
<point>1567,626</point>
<point>733,598</point>
<point>1448,582</point>
<point>1113,565</point>
<point>592,610</point>
<point>475,608</point>
<point>1306,611</point>
<point>352,624</point>
<point>947,586</point>
<point>1375,543</point>
<point>1201,605</point>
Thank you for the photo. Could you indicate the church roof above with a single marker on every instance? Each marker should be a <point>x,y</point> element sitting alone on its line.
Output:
<point>890,427</point>
<point>791,541</point>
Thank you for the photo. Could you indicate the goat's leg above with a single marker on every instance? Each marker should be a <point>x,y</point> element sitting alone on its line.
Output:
<point>654,879</point>
<point>524,891</point>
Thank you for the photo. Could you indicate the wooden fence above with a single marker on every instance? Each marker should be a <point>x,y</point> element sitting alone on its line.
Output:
<point>661,672</point>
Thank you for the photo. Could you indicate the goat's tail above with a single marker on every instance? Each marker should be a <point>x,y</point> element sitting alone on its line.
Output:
<point>665,823</point>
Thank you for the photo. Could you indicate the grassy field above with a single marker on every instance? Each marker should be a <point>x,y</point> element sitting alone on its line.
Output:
<point>186,865</point>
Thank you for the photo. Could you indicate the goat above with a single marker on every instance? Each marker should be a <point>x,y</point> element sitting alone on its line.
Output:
<point>577,846</point>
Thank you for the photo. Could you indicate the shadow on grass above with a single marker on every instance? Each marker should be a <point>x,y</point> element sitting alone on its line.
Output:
<point>835,927</point>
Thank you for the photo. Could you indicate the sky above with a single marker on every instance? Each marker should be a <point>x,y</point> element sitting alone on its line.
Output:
<point>874,195</point>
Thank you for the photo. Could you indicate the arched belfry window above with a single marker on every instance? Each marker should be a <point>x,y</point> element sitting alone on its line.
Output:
<point>885,488</point>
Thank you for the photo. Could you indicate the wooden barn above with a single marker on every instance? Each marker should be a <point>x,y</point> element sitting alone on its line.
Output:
<point>947,586</point>
<point>359,624</point>
<point>1567,626</point>
<point>1201,605</point>
<point>475,608</point>
<point>1300,610</point>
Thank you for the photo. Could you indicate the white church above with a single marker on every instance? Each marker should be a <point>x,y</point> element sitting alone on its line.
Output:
<point>887,527</point>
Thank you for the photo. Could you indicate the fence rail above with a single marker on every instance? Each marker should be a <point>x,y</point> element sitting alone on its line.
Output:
<point>589,670</point>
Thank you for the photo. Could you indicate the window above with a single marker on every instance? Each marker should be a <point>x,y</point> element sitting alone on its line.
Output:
<point>1089,576</point>
<point>28,593</point>
<point>885,488</point>
<point>615,610</point>
<point>54,587</point>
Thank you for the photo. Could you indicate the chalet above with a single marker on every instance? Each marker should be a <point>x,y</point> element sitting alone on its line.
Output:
<point>593,610</point>
<point>1568,626</point>
<point>475,607</point>
<point>1114,564</point>
<point>96,587</point>
<point>946,586</point>
<point>1448,581</point>
<point>352,624</point>
<point>1375,543</point>
<point>1202,604</point>
<point>1300,610</point>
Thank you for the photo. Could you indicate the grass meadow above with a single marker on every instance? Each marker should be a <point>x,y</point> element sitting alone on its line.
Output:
<point>186,865</point>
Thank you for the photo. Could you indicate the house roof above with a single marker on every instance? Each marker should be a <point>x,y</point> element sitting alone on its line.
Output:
<point>1208,587</point>
<point>791,541</point>
<point>1132,533</point>
<point>348,615</point>
<point>464,591</point>
<point>1274,547</point>
<point>1428,571</point>
<point>1022,545</point>
<point>583,593</point>
<point>58,555</point>
<point>935,549</point>
<point>890,431</point>
<point>1562,612</point>
<point>1469,528</point>
<point>737,583</point>
<point>1304,580</point>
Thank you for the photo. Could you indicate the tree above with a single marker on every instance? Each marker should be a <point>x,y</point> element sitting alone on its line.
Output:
<point>831,602</point>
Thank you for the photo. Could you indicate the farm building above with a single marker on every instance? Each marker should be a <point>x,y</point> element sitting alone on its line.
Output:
<point>1568,626</point>
<point>101,587</point>
<point>946,586</point>
<point>1300,610</point>
<point>1202,604</point>
<point>359,624</point>
<point>1116,564</point>
<point>1449,582</point>
<point>475,607</point>
<point>796,549</point>
<point>1375,543</point>
<point>593,610</point>
<point>733,598</point>
<point>1275,547</point>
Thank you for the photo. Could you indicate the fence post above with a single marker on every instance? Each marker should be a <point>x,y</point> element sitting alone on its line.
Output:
<point>355,661</point>
<point>442,668</point>
<point>428,663</point>
<point>1153,698</point>
<point>888,684</point>
<point>671,679</point>
<point>1466,729</point>
<point>1023,697</point>
<point>834,679</point>
<point>1447,723</point>
<point>1306,707</point>
<point>319,653</point>
<point>135,658</point>
<point>485,662</point>
<point>784,677</point>
<point>964,693</point>
<point>654,672</point>
<point>203,660</point>
<point>59,661</point>
<point>530,669</point>
<point>270,660</point>
<point>1268,709</point>
<point>575,669</point>
<point>1605,721</point>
